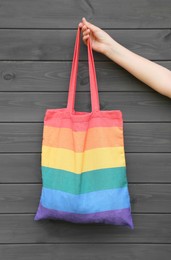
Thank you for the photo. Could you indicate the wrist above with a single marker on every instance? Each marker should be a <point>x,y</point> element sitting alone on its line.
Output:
<point>109,48</point>
<point>112,49</point>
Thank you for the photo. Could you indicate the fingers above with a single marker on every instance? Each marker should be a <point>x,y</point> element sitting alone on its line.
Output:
<point>84,25</point>
<point>84,29</point>
<point>91,26</point>
<point>85,39</point>
<point>85,32</point>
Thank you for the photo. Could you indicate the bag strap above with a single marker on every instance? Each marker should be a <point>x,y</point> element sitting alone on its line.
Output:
<point>92,76</point>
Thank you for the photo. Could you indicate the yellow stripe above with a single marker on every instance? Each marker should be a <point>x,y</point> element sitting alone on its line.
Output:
<point>65,159</point>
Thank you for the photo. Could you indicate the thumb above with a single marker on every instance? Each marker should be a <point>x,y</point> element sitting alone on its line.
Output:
<point>92,27</point>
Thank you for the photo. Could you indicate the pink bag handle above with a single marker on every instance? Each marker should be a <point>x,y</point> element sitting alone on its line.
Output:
<point>92,75</point>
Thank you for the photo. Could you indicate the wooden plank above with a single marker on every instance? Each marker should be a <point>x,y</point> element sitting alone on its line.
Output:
<point>64,14</point>
<point>22,228</point>
<point>141,168</point>
<point>77,251</point>
<point>135,106</point>
<point>54,76</point>
<point>59,44</point>
<point>34,77</point>
<point>138,137</point>
<point>145,198</point>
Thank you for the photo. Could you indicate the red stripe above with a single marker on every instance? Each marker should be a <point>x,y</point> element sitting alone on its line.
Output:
<point>82,120</point>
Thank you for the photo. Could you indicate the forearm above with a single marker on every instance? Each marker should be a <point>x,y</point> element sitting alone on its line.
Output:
<point>151,73</point>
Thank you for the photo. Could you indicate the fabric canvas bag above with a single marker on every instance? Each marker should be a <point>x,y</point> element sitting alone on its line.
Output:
<point>84,178</point>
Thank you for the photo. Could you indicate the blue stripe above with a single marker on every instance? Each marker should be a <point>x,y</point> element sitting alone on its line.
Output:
<point>91,202</point>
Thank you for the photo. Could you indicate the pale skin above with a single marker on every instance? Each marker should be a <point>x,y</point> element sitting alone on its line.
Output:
<point>149,72</point>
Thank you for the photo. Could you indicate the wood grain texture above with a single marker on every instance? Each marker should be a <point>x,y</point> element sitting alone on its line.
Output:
<point>85,251</point>
<point>58,45</point>
<point>36,51</point>
<point>30,76</point>
<point>141,167</point>
<point>22,228</point>
<point>135,106</point>
<point>145,198</point>
<point>138,137</point>
<point>66,14</point>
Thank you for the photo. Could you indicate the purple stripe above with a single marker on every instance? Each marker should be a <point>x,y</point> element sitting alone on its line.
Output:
<point>114,217</point>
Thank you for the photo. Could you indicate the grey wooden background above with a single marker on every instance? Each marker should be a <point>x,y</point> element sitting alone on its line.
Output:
<point>36,48</point>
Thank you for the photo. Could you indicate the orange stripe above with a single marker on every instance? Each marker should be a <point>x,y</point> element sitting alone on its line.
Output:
<point>82,140</point>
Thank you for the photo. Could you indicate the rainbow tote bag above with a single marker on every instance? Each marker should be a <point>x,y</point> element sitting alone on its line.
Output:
<point>84,178</point>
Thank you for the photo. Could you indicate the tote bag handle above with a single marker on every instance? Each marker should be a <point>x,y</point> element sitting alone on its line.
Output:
<point>92,76</point>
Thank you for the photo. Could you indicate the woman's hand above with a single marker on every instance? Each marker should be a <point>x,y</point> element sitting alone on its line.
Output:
<point>149,72</point>
<point>100,39</point>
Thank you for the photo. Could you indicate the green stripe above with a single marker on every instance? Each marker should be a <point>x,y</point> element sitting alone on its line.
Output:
<point>101,179</point>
